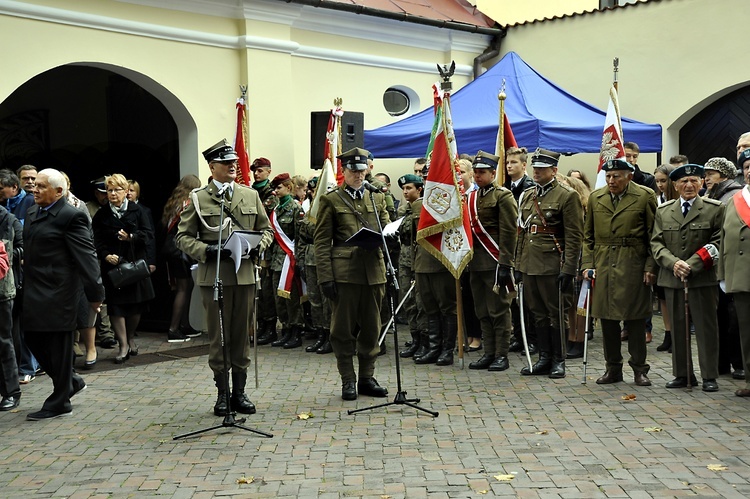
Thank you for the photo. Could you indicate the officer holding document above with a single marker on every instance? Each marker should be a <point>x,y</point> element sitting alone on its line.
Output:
<point>198,236</point>
<point>352,274</point>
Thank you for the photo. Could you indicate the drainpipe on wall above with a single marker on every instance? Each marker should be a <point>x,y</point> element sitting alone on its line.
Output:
<point>490,52</point>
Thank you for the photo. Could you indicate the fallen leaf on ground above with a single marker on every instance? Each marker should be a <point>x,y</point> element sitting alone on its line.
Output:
<point>716,467</point>
<point>243,479</point>
<point>734,421</point>
<point>481,491</point>
<point>304,415</point>
<point>653,429</point>
<point>629,396</point>
<point>543,432</point>
<point>504,478</point>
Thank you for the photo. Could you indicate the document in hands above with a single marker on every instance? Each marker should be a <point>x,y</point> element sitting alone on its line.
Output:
<point>241,243</point>
<point>392,228</point>
<point>366,239</point>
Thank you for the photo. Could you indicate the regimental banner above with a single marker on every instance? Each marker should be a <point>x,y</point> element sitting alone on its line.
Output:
<point>240,144</point>
<point>444,229</point>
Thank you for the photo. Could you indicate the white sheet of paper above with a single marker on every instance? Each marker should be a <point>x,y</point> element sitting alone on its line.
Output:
<point>240,243</point>
<point>392,227</point>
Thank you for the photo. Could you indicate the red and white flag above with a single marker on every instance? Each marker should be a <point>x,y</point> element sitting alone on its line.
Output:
<point>444,229</point>
<point>240,144</point>
<point>612,140</point>
<point>326,183</point>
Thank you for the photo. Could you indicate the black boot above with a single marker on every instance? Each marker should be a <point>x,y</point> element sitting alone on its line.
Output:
<point>575,349</point>
<point>424,343</point>
<point>326,346</point>
<point>267,332</point>
<point>286,334</point>
<point>319,343</point>
<point>542,365</point>
<point>450,329</point>
<point>557,369</point>
<point>410,350</point>
<point>484,361</point>
<point>667,343</point>
<point>220,407</point>
<point>435,341</point>
<point>295,338</point>
<point>240,402</point>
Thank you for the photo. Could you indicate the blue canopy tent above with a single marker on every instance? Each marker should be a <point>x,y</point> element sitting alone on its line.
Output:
<point>541,114</point>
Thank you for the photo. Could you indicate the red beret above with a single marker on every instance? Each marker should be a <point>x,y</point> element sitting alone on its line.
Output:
<point>278,179</point>
<point>260,162</point>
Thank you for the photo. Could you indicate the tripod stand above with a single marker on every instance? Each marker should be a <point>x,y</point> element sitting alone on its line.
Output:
<point>391,288</point>
<point>229,418</point>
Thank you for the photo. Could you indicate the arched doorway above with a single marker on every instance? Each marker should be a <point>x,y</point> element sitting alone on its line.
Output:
<point>91,120</point>
<point>714,130</point>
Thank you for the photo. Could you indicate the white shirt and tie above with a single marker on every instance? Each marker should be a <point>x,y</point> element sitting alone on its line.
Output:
<point>686,205</point>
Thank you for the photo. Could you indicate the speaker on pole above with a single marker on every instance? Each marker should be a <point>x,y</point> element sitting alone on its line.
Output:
<point>352,134</point>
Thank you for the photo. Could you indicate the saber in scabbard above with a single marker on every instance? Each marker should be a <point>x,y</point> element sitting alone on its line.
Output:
<point>388,326</point>
<point>523,326</point>
<point>255,323</point>
<point>688,352</point>
<point>561,319</point>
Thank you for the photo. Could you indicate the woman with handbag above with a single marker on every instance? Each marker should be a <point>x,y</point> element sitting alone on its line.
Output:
<point>122,233</point>
<point>178,264</point>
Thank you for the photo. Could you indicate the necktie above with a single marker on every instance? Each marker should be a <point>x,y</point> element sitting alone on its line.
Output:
<point>615,200</point>
<point>685,208</point>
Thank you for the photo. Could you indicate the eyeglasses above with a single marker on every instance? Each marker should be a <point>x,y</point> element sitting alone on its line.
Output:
<point>112,191</point>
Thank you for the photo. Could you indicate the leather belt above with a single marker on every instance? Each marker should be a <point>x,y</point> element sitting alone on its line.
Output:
<point>541,229</point>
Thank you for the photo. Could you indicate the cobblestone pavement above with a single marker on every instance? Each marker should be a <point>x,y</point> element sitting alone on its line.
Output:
<point>498,434</point>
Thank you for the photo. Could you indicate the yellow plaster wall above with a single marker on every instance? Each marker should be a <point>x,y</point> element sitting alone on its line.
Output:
<point>507,12</point>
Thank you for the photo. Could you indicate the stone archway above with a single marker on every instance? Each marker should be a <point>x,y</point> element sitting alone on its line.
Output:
<point>92,119</point>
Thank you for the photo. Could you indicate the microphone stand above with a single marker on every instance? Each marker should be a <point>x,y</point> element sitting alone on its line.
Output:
<point>229,420</point>
<point>391,289</point>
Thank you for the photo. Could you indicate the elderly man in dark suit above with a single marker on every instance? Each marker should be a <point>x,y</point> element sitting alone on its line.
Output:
<point>59,256</point>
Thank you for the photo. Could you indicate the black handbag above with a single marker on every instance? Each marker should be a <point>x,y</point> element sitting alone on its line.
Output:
<point>127,273</point>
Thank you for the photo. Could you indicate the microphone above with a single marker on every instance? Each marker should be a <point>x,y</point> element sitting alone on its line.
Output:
<point>367,185</point>
<point>224,188</point>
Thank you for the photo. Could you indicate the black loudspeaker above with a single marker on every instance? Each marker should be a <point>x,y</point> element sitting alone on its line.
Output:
<point>352,134</point>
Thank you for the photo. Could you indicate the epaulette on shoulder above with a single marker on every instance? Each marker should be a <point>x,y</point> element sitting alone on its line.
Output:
<point>714,202</point>
<point>667,203</point>
<point>566,187</point>
<point>530,188</point>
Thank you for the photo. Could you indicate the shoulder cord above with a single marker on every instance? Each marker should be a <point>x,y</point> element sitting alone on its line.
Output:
<point>210,228</point>
<point>544,223</point>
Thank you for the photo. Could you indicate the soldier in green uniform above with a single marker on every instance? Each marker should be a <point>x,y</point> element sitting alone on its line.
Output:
<point>352,276</point>
<point>390,204</point>
<point>550,224</point>
<point>493,214</point>
<point>437,288</point>
<point>261,168</point>
<point>685,244</point>
<point>198,236</point>
<point>285,222</point>
<point>617,254</point>
<point>320,307</point>
<point>412,187</point>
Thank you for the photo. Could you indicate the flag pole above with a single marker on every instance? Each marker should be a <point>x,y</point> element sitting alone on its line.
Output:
<point>500,144</point>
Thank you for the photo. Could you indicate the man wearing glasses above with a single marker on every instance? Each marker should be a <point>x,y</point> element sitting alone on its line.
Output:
<point>198,236</point>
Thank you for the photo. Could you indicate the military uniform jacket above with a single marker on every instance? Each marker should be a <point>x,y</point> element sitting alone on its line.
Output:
<point>193,235</point>
<point>536,251</point>
<point>288,217</point>
<point>678,238</point>
<point>497,212</point>
<point>617,245</point>
<point>734,255</point>
<point>337,260</point>
<point>406,236</point>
